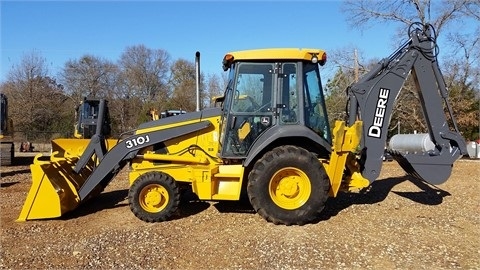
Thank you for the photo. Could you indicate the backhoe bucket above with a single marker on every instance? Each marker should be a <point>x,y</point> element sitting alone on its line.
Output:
<point>55,185</point>
<point>431,169</point>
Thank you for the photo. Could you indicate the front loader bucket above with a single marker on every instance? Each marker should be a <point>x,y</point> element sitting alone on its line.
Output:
<point>55,185</point>
<point>51,193</point>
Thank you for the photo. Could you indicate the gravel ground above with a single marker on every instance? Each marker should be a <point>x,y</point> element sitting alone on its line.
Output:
<point>397,224</point>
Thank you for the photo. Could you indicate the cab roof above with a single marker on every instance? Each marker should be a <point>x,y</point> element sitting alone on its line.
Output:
<point>276,53</point>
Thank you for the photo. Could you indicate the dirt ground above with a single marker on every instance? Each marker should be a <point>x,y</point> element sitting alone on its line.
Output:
<point>397,224</point>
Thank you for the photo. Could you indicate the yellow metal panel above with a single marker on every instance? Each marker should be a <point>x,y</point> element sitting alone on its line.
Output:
<point>230,171</point>
<point>227,190</point>
<point>227,183</point>
<point>243,131</point>
<point>202,190</point>
<point>202,184</point>
<point>277,53</point>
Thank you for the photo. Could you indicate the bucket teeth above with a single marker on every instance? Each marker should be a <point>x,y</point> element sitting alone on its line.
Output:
<point>403,162</point>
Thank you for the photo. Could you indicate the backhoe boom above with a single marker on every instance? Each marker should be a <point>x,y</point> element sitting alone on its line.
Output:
<point>373,97</point>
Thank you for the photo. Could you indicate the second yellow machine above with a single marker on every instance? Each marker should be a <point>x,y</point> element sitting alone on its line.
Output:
<point>270,139</point>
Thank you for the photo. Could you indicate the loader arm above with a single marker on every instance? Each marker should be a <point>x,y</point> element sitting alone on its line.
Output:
<point>372,98</point>
<point>56,189</point>
<point>116,158</point>
<point>109,163</point>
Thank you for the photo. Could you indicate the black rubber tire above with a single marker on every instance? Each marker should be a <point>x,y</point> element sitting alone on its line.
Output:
<point>288,158</point>
<point>165,192</point>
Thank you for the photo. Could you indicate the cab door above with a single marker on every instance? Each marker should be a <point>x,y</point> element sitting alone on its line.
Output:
<point>250,108</point>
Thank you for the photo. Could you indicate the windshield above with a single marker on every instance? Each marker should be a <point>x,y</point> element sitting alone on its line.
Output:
<point>253,87</point>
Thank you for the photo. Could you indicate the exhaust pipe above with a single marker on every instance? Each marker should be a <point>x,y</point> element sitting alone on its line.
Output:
<point>197,78</point>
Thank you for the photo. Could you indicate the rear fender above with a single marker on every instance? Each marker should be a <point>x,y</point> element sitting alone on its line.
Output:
<point>297,135</point>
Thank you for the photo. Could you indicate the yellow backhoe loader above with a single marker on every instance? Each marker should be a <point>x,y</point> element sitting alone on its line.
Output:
<point>269,139</point>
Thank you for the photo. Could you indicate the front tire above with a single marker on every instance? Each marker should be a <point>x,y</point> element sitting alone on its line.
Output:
<point>154,197</point>
<point>288,185</point>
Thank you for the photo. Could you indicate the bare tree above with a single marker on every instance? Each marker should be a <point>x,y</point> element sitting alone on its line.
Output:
<point>89,76</point>
<point>145,72</point>
<point>183,86</point>
<point>362,13</point>
<point>142,85</point>
<point>472,9</point>
<point>463,61</point>
<point>214,89</point>
<point>35,99</point>
<point>335,96</point>
<point>463,81</point>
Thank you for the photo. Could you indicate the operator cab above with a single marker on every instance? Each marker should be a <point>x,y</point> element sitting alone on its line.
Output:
<point>86,115</point>
<point>271,88</point>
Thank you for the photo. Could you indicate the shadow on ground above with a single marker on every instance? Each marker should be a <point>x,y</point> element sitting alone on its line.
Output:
<point>18,161</point>
<point>191,205</point>
<point>105,200</point>
<point>379,190</point>
<point>12,173</point>
<point>21,160</point>
<point>8,184</point>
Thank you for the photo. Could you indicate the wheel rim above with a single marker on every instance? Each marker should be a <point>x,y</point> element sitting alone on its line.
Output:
<point>153,198</point>
<point>290,188</point>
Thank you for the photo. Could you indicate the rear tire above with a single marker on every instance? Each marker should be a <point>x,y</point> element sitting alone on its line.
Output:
<point>154,197</point>
<point>288,185</point>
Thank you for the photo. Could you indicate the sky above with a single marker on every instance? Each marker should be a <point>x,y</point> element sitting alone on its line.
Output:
<point>67,30</point>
